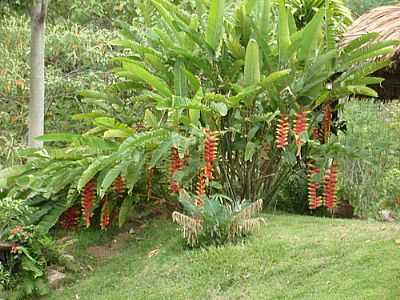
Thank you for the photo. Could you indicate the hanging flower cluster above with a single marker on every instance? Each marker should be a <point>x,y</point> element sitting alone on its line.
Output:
<point>105,215</point>
<point>200,191</point>
<point>69,219</point>
<point>282,132</point>
<point>210,152</point>
<point>327,121</point>
<point>314,201</point>
<point>119,186</point>
<point>330,182</point>
<point>88,198</point>
<point>300,126</point>
<point>175,165</point>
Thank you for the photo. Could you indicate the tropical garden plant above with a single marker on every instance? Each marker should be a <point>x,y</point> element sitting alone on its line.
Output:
<point>25,252</point>
<point>243,71</point>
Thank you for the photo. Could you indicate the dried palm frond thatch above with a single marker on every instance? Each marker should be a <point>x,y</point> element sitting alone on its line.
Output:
<point>385,21</point>
<point>244,222</point>
<point>191,227</point>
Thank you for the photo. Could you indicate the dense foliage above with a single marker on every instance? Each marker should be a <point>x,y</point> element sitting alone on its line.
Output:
<point>232,71</point>
<point>369,178</point>
<point>25,253</point>
<point>76,58</point>
<point>221,106</point>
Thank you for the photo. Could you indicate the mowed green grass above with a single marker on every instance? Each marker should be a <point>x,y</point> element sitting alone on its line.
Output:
<point>292,257</point>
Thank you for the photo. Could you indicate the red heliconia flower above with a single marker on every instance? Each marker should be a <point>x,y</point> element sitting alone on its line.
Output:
<point>300,126</point>
<point>176,164</point>
<point>314,201</point>
<point>282,132</point>
<point>210,152</point>
<point>330,182</point>
<point>105,215</point>
<point>119,186</point>
<point>327,121</point>
<point>88,197</point>
<point>69,219</point>
<point>200,191</point>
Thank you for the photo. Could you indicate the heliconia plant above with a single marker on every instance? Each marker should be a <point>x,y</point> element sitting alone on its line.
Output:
<point>330,182</point>
<point>88,199</point>
<point>176,164</point>
<point>314,200</point>
<point>70,218</point>
<point>210,152</point>
<point>240,70</point>
<point>119,186</point>
<point>300,126</point>
<point>105,214</point>
<point>282,132</point>
<point>214,219</point>
<point>200,190</point>
<point>326,122</point>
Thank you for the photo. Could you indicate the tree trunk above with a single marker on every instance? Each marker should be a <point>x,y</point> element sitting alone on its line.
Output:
<point>36,103</point>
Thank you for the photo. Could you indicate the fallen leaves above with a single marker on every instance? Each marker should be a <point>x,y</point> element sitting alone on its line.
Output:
<point>153,252</point>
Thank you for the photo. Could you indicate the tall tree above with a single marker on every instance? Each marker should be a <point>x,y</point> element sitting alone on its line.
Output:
<point>36,104</point>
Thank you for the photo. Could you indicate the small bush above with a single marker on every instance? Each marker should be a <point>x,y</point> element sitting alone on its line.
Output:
<point>372,133</point>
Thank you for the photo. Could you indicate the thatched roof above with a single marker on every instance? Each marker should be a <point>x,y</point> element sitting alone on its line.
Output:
<point>384,20</point>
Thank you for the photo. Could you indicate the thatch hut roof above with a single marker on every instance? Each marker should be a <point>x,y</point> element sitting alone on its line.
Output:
<point>384,20</point>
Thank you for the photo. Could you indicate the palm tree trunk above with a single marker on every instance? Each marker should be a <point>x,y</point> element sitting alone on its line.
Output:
<point>36,103</point>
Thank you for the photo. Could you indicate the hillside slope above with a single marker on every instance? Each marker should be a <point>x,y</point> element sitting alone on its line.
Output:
<point>292,257</point>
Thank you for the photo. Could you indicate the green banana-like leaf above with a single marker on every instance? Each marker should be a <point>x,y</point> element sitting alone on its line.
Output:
<point>275,76</point>
<point>111,175</point>
<point>124,210</point>
<point>283,33</point>
<point>180,79</point>
<point>252,64</point>
<point>263,9</point>
<point>142,138</point>
<point>101,96</point>
<point>360,41</point>
<point>215,23</point>
<point>94,168</point>
<point>158,84</point>
<point>311,36</point>
<point>362,90</point>
<point>59,137</point>
<point>134,172</point>
<point>362,70</point>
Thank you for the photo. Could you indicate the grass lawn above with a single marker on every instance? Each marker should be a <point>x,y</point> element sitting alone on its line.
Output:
<point>292,257</point>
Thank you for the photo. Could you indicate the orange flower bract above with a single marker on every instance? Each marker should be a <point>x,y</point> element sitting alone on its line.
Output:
<point>88,197</point>
<point>200,191</point>
<point>314,201</point>
<point>176,163</point>
<point>105,215</point>
<point>330,182</point>
<point>210,152</point>
<point>300,126</point>
<point>69,219</point>
<point>282,132</point>
<point>119,186</point>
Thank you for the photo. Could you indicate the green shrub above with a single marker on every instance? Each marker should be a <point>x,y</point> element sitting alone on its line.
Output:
<point>372,131</point>
<point>23,263</point>
<point>76,58</point>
